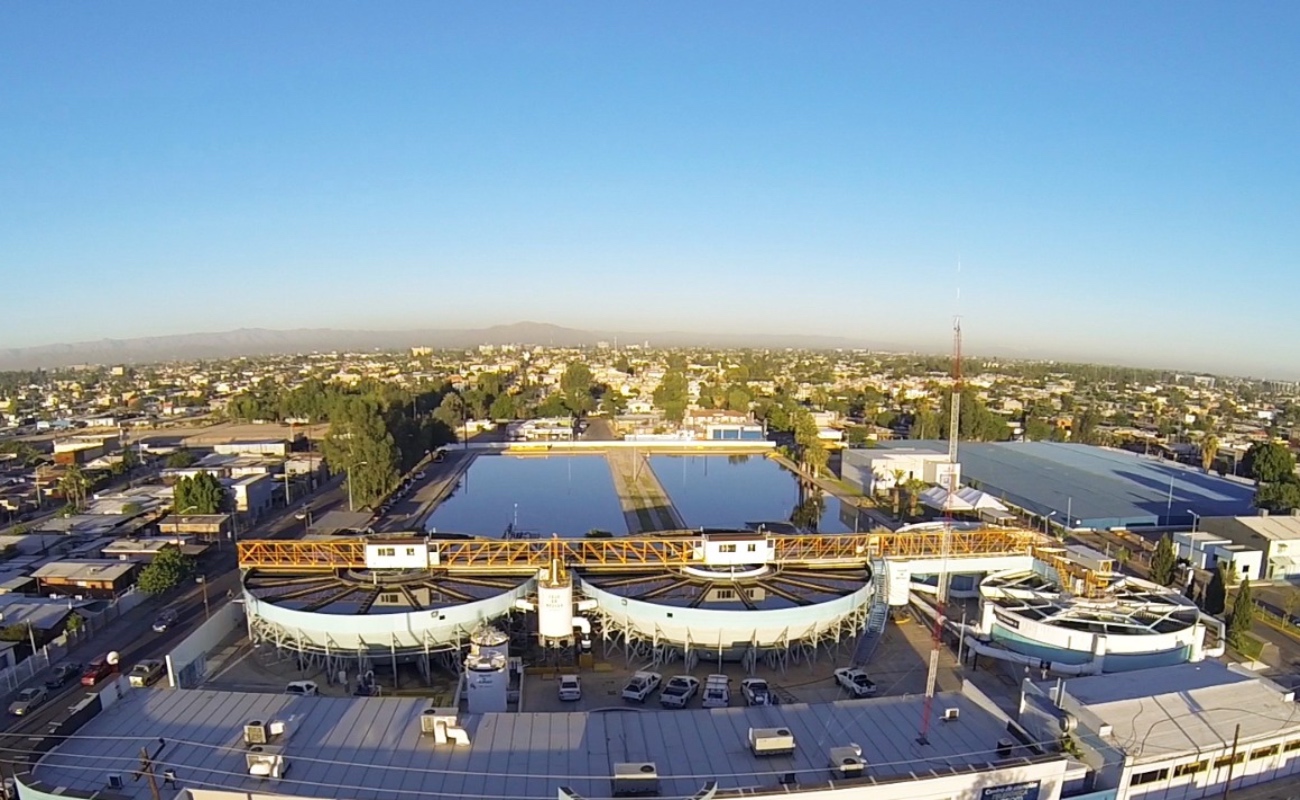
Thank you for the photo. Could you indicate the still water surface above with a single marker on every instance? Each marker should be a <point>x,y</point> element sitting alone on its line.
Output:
<point>571,495</point>
<point>568,495</point>
<point>729,491</point>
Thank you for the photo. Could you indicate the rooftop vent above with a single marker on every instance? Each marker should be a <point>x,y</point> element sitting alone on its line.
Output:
<point>771,741</point>
<point>115,781</point>
<point>1004,748</point>
<point>847,762</point>
<point>636,779</point>
<point>951,714</point>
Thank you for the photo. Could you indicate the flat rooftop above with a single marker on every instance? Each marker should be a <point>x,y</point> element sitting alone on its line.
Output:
<point>1098,487</point>
<point>1198,707</point>
<point>372,749</point>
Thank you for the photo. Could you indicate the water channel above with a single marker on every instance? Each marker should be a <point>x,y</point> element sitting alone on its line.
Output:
<point>571,495</point>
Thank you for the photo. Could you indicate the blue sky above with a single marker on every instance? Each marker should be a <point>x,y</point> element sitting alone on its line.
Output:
<point>1119,181</point>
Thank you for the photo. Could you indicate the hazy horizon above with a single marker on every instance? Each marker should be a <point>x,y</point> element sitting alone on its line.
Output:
<point>1118,183</point>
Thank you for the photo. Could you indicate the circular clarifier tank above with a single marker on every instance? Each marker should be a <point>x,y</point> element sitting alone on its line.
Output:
<point>1132,624</point>
<point>384,611</point>
<point>746,608</point>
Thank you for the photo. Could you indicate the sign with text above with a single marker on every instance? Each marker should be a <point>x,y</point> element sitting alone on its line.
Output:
<point>1011,791</point>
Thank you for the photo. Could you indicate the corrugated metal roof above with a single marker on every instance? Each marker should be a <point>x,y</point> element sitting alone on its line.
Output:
<point>371,748</point>
<point>1097,486</point>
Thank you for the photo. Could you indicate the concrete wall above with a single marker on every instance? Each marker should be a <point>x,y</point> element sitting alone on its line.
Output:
<point>706,628</point>
<point>414,631</point>
<point>187,662</point>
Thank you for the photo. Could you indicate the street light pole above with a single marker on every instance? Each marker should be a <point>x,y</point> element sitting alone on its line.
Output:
<point>1047,524</point>
<point>203,581</point>
<point>1196,520</point>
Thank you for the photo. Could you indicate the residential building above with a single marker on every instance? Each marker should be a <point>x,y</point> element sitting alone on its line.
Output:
<point>97,578</point>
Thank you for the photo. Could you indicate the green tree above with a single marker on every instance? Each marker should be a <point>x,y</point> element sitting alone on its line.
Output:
<point>1084,427</point>
<point>812,453</point>
<point>1269,462</point>
<point>1123,556</point>
<point>1164,562</point>
<point>673,395</point>
<point>1216,593</point>
<point>451,411</point>
<point>73,486</point>
<point>913,488</point>
<point>360,444</point>
<point>130,459</point>
<point>738,398</point>
<point>167,570</point>
<point>807,514</point>
<point>503,407</point>
<point>1278,497</point>
<point>180,459</point>
<point>613,403</point>
<point>1209,450</point>
<point>575,383</point>
<point>74,623</point>
<point>1243,616</point>
<point>200,494</point>
<point>1038,429</point>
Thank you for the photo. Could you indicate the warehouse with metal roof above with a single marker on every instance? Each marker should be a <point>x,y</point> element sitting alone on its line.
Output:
<point>1092,487</point>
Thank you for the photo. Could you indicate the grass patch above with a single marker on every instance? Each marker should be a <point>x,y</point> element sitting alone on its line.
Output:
<point>1251,647</point>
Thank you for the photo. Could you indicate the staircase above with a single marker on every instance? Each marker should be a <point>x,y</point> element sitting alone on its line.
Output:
<point>878,617</point>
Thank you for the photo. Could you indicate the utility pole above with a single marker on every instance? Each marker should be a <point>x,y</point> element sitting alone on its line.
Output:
<point>1232,761</point>
<point>146,769</point>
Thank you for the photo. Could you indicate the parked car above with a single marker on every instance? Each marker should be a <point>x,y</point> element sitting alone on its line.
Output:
<point>302,688</point>
<point>27,700</point>
<point>146,673</point>
<point>717,692</point>
<point>165,620</point>
<point>570,687</point>
<point>62,674</point>
<point>855,681</point>
<point>756,692</point>
<point>97,670</point>
<point>641,686</point>
<point>678,691</point>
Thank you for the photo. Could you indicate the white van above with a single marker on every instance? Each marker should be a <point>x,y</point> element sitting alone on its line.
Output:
<point>717,691</point>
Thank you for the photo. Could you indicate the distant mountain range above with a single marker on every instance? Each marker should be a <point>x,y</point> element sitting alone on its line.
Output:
<point>264,341</point>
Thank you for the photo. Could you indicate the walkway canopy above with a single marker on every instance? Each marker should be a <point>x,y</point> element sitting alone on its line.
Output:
<point>965,499</point>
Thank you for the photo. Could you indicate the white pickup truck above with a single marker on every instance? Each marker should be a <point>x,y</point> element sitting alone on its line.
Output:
<point>678,691</point>
<point>641,686</point>
<point>717,691</point>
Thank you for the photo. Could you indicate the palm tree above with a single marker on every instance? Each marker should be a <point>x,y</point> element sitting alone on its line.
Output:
<point>914,488</point>
<point>899,476</point>
<point>1209,449</point>
<point>73,485</point>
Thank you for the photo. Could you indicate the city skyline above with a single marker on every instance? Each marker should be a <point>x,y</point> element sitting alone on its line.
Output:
<point>1105,177</point>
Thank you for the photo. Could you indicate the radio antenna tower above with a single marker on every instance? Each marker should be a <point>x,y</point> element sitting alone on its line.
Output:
<point>949,482</point>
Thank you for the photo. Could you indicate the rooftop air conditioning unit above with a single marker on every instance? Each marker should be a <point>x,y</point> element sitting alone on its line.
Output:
<point>847,762</point>
<point>267,761</point>
<point>771,741</point>
<point>951,714</point>
<point>432,718</point>
<point>256,732</point>
<point>636,779</point>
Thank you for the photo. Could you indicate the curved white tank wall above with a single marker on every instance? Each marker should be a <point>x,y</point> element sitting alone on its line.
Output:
<point>1124,646</point>
<point>714,628</point>
<point>410,632</point>
<point>555,610</point>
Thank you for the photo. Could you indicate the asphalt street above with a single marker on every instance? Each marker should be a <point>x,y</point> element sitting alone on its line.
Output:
<point>132,634</point>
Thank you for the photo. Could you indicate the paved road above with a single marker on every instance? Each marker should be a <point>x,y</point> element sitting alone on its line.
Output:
<point>440,479</point>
